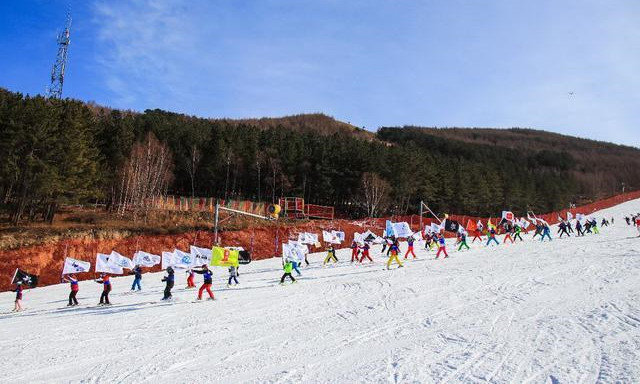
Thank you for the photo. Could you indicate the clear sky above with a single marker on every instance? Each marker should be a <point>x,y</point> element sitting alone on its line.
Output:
<point>502,63</point>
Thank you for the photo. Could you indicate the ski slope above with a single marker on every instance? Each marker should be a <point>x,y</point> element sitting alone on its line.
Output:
<point>566,311</point>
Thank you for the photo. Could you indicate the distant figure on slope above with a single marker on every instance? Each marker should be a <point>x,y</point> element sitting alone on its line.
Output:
<point>546,232</point>
<point>579,228</point>
<point>539,229</point>
<point>507,237</point>
<point>410,241</point>
<point>208,280</point>
<point>354,251</point>
<point>429,242</point>
<point>385,243</point>
<point>517,231</point>
<point>190,278</point>
<point>294,265</point>
<point>287,267</point>
<point>233,275</point>
<point>442,246</point>
<point>17,304</point>
<point>365,252</point>
<point>627,220</point>
<point>137,272</point>
<point>462,240</point>
<point>594,226</point>
<point>491,236</point>
<point>169,280</point>
<point>331,255</point>
<point>562,229</point>
<point>106,288</point>
<point>73,281</point>
<point>604,223</point>
<point>393,256</point>
<point>638,225</point>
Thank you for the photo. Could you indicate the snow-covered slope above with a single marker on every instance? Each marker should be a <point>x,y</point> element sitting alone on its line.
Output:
<point>560,311</point>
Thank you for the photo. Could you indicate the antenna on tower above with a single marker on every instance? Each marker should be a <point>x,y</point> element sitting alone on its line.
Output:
<point>57,72</point>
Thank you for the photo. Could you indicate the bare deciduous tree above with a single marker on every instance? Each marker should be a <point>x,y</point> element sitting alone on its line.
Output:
<point>145,176</point>
<point>375,191</point>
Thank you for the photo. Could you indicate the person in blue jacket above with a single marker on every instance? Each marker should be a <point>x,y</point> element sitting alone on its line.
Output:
<point>137,272</point>
<point>169,280</point>
<point>491,235</point>
<point>546,232</point>
<point>208,280</point>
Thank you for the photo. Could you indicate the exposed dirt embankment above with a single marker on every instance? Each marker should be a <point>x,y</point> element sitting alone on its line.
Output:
<point>46,259</point>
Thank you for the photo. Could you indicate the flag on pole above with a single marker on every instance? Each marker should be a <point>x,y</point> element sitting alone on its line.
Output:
<point>507,215</point>
<point>224,257</point>
<point>201,255</point>
<point>339,235</point>
<point>103,265</point>
<point>435,228</point>
<point>471,226</point>
<point>167,259</point>
<point>569,216</point>
<point>451,225</point>
<point>75,266</point>
<point>183,260</point>
<point>24,278</point>
<point>146,259</point>
<point>117,259</point>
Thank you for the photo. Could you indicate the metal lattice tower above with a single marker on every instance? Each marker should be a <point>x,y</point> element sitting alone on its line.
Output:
<point>57,73</point>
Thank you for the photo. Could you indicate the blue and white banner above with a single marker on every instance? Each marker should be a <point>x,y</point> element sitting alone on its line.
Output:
<point>75,266</point>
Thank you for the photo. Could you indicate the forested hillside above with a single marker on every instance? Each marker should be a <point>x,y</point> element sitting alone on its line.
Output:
<point>58,152</point>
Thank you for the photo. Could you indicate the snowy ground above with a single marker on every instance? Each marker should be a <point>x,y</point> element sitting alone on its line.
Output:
<point>560,311</point>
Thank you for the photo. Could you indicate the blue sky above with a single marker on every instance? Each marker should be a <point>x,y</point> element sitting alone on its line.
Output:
<point>504,63</point>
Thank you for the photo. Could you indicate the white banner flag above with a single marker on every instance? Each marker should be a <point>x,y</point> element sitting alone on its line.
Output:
<point>183,260</point>
<point>75,266</point>
<point>145,259</point>
<point>293,252</point>
<point>569,216</point>
<point>330,237</point>
<point>117,260</point>
<point>167,259</point>
<point>202,255</point>
<point>103,265</point>
<point>339,235</point>
<point>435,228</point>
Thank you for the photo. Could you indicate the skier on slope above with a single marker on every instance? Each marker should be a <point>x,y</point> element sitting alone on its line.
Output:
<point>638,225</point>
<point>233,275</point>
<point>106,288</point>
<point>17,304</point>
<point>410,241</point>
<point>169,280</point>
<point>287,267</point>
<point>73,281</point>
<point>365,252</point>
<point>190,278</point>
<point>354,251</point>
<point>491,236</point>
<point>462,240</point>
<point>477,234</point>
<point>394,250</point>
<point>508,230</point>
<point>331,255</point>
<point>295,265</point>
<point>539,229</point>
<point>517,231</point>
<point>579,228</point>
<point>594,226</point>
<point>137,272</point>
<point>208,280</point>
<point>562,229</point>
<point>442,246</point>
<point>546,232</point>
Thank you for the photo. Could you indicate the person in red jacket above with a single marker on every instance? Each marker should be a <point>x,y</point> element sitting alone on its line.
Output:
<point>365,252</point>
<point>638,224</point>
<point>354,251</point>
<point>73,281</point>
<point>106,288</point>
<point>190,276</point>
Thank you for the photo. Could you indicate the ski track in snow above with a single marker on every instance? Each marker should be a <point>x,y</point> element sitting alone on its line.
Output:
<point>566,311</point>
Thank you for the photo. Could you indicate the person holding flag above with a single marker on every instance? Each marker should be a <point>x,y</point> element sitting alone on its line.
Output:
<point>106,288</point>
<point>169,280</point>
<point>233,275</point>
<point>546,232</point>
<point>491,235</point>
<point>462,240</point>
<point>562,229</point>
<point>508,229</point>
<point>17,304</point>
<point>73,281</point>
<point>517,230</point>
<point>288,268</point>
<point>410,241</point>
<point>394,250</point>
<point>637,222</point>
<point>190,278</point>
<point>137,272</point>
<point>208,280</point>
<point>354,251</point>
<point>442,246</point>
<point>365,252</point>
<point>331,255</point>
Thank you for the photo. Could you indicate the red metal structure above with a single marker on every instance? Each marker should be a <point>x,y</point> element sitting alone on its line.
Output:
<point>295,208</point>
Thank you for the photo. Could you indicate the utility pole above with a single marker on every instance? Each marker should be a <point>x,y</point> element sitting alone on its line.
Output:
<point>57,72</point>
